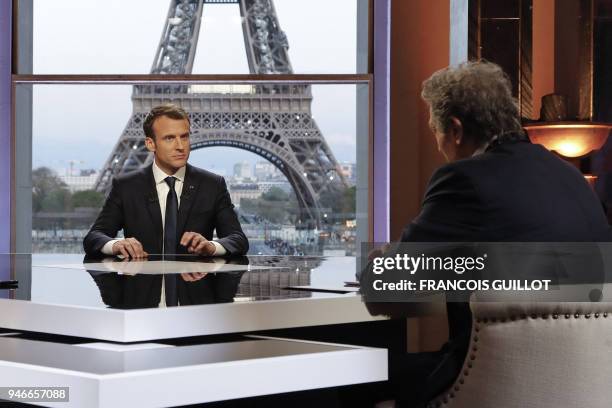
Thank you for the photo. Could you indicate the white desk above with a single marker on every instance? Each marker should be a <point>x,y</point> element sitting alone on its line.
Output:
<point>172,376</point>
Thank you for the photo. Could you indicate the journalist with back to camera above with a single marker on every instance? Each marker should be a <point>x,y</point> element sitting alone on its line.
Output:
<point>497,186</point>
<point>168,195</point>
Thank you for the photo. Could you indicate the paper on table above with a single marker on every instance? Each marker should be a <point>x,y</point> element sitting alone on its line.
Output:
<point>158,267</point>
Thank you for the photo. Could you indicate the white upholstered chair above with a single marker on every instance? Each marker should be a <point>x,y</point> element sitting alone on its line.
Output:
<point>550,354</point>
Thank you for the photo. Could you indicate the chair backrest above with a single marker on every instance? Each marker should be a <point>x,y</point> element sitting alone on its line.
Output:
<point>546,354</point>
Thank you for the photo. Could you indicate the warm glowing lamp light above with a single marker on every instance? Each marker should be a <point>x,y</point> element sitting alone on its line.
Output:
<point>569,139</point>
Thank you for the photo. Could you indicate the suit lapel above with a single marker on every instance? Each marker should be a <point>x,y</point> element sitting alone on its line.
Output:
<point>188,195</point>
<point>153,203</point>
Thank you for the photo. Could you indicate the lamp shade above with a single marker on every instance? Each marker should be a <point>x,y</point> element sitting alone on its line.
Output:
<point>569,139</point>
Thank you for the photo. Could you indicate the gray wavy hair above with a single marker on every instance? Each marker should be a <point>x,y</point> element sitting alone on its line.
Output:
<point>479,95</point>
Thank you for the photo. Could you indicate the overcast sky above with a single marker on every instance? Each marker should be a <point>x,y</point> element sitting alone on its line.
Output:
<point>121,37</point>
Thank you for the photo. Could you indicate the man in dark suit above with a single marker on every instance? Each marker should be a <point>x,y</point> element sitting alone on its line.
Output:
<point>168,207</point>
<point>496,187</point>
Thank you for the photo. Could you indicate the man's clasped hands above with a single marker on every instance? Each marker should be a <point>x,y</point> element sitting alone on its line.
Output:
<point>194,242</point>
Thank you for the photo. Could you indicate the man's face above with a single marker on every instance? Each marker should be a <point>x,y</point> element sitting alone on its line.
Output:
<point>171,143</point>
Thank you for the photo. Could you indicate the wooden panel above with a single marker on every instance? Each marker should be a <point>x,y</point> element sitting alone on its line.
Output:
<point>494,33</point>
<point>501,32</point>
<point>603,8</point>
<point>499,9</point>
<point>602,69</point>
<point>567,44</point>
<point>526,59</point>
<point>474,49</point>
<point>543,52</point>
<point>419,46</point>
<point>585,60</point>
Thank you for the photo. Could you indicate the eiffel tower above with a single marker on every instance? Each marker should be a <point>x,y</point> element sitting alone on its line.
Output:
<point>272,121</point>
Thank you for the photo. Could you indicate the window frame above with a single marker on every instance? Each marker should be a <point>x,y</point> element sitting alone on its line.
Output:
<point>378,31</point>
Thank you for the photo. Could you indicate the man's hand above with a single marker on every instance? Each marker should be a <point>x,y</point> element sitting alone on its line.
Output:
<point>197,244</point>
<point>129,248</point>
<point>193,276</point>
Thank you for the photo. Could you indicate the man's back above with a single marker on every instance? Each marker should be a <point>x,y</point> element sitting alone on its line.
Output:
<point>514,192</point>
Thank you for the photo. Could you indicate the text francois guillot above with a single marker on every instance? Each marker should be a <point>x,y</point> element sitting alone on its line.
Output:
<point>458,265</point>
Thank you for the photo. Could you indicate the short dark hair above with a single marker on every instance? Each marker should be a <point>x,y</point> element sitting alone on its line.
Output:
<point>168,109</point>
<point>479,94</point>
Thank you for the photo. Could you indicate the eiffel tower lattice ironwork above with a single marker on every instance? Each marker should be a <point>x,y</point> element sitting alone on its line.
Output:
<point>273,121</point>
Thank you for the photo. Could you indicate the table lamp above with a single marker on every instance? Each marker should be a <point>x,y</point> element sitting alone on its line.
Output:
<point>572,139</point>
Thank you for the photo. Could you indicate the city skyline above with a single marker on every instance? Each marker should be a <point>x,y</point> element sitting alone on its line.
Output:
<point>79,169</point>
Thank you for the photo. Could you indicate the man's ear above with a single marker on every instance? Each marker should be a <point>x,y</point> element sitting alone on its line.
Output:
<point>150,144</point>
<point>455,130</point>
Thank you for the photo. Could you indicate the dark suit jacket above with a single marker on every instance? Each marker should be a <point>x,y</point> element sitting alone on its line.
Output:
<point>514,192</point>
<point>133,206</point>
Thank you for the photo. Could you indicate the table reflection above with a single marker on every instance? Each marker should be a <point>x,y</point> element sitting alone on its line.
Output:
<point>131,285</point>
<point>71,279</point>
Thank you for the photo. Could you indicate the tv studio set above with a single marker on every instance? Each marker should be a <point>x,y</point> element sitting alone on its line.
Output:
<point>322,203</point>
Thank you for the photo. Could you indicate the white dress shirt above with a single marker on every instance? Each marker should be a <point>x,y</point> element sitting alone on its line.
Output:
<point>162,193</point>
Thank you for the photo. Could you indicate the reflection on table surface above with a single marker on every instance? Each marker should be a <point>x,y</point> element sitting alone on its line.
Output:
<point>71,279</point>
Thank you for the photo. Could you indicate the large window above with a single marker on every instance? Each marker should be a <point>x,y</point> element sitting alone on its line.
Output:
<point>294,149</point>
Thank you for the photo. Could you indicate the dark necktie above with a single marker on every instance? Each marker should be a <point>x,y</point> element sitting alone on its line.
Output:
<point>170,241</point>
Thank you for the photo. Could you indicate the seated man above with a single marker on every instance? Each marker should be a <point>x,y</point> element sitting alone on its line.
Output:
<point>496,187</point>
<point>170,206</point>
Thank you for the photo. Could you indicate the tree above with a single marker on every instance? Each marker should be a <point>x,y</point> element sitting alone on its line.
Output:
<point>340,201</point>
<point>276,206</point>
<point>275,194</point>
<point>44,182</point>
<point>57,201</point>
<point>88,198</point>
<point>349,201</point>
